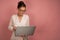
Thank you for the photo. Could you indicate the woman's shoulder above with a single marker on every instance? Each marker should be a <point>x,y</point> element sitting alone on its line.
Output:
<point>14,15</point>
<point>26,15</point>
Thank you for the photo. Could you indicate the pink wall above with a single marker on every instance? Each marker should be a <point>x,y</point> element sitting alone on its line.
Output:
<point>43,13</point>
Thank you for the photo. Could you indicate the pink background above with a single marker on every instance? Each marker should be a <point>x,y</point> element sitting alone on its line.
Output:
<point>43,13</point>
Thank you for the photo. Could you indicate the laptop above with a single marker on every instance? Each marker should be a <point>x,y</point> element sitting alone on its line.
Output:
<point>26,30</point>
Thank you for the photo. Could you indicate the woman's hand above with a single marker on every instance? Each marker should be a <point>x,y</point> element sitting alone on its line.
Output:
<point>22,35</point>
<point>14,28</point>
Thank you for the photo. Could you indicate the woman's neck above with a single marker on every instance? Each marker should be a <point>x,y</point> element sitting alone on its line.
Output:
<point>19,15</point>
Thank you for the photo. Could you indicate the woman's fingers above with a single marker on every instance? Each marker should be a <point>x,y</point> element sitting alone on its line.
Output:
<point>22,35</point>
<point>14,28</point>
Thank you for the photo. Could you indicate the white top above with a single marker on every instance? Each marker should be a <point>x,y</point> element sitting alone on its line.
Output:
<point>15,21</point>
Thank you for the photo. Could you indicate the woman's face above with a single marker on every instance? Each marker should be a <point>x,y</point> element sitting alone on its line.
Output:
<point>21,10</point>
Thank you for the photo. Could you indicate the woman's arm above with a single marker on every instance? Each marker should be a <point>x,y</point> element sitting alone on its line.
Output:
<point>28,22</point>
<point>10,27</point>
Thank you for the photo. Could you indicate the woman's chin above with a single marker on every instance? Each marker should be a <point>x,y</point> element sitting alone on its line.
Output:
<point>20,14</point>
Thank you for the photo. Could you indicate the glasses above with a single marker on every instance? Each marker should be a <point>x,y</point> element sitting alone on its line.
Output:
<point>22,10</point>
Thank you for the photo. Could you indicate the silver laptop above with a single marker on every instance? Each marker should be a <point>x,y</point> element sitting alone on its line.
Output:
<point>25,30</point>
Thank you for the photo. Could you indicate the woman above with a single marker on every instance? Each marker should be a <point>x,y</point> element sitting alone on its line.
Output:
<point>19,19</point>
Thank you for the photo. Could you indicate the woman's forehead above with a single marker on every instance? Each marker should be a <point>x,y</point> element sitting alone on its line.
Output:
<point>22,8</point>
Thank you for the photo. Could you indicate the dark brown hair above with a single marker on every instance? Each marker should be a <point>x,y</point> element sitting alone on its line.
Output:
<point>21,4</point>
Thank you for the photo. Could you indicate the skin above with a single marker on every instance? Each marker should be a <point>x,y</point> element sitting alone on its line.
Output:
<point>20,14</point>
<point>21,11</point>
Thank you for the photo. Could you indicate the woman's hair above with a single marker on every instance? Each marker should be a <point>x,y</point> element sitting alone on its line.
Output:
<point>21,4</point>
